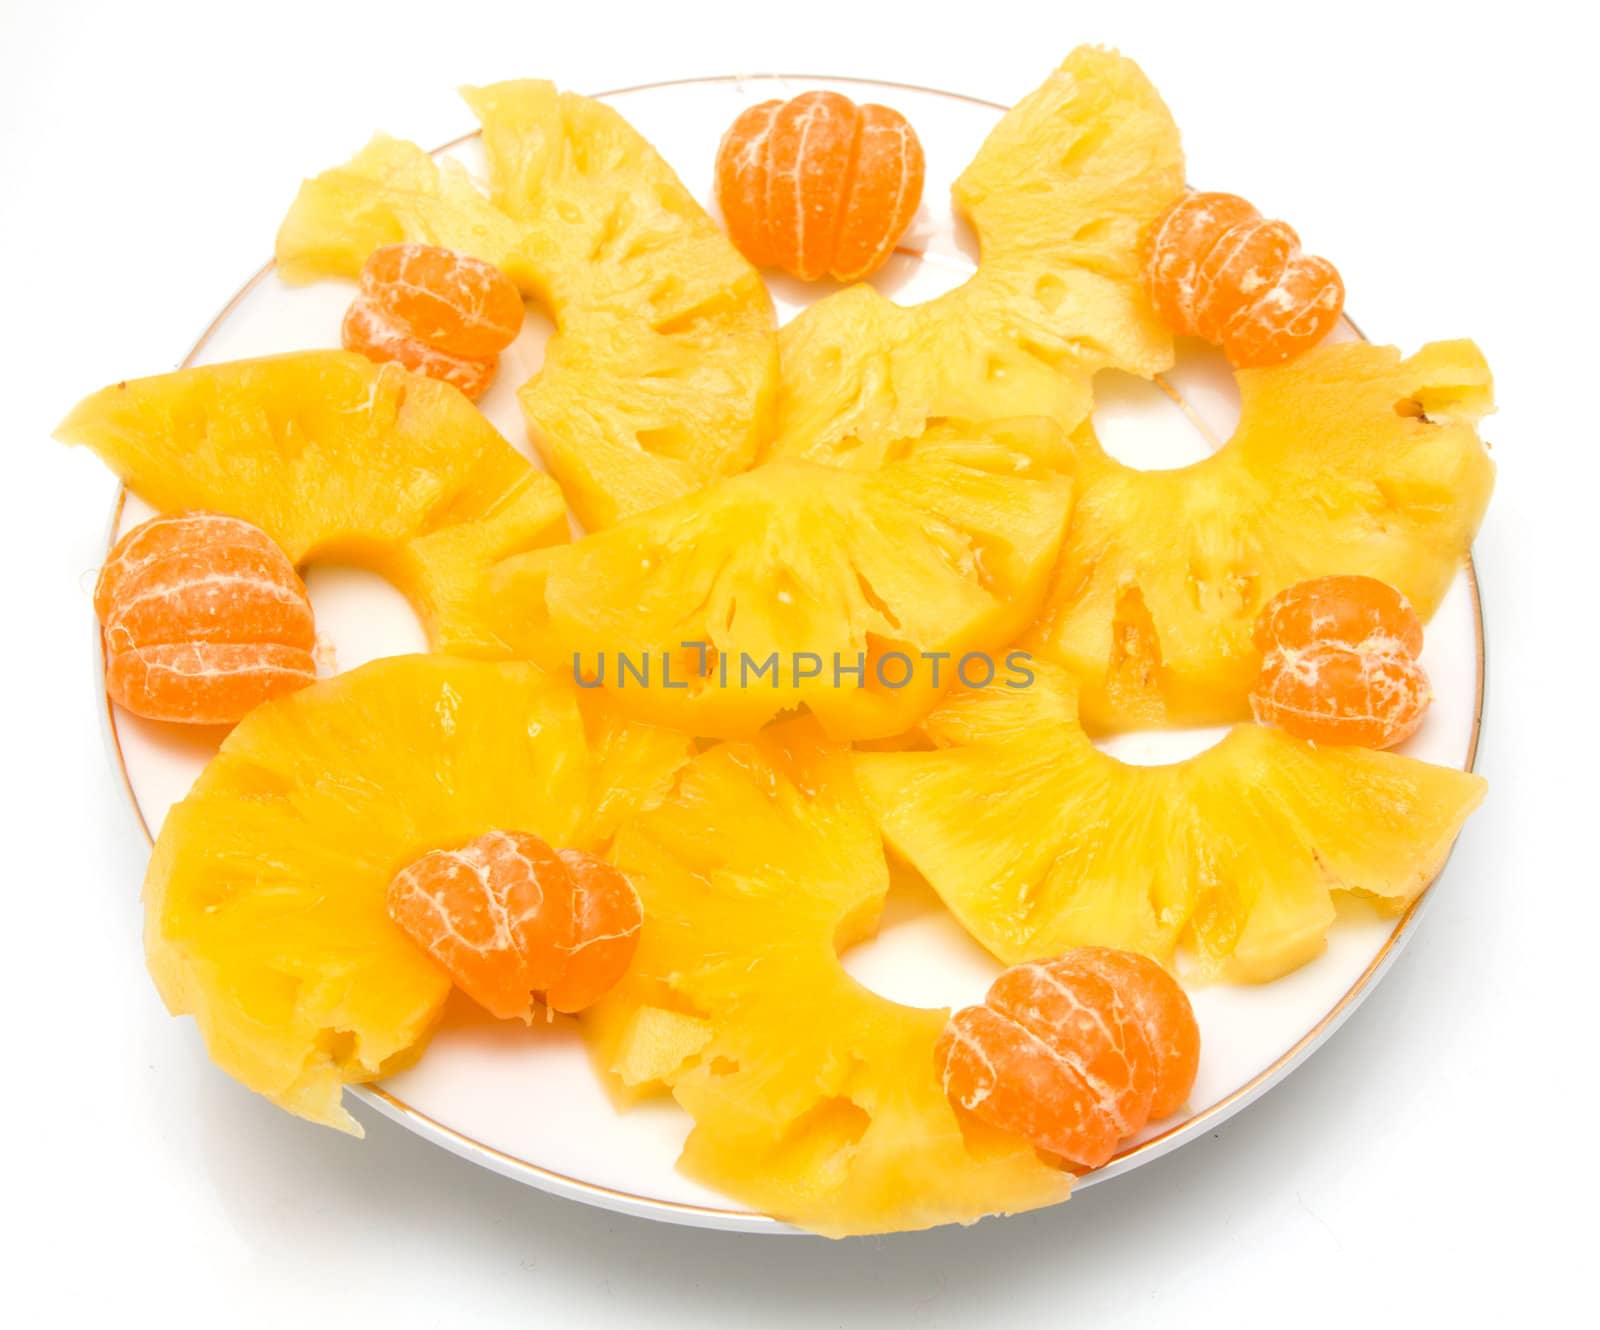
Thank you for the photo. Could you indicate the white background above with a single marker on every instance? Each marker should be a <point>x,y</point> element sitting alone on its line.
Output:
<point>1435,1158</point>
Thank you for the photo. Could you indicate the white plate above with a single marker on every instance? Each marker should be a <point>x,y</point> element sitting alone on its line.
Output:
<point>526,1103</point>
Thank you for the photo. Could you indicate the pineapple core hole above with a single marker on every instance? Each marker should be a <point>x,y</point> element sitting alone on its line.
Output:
<point>920,956</point>
<point>1181,418</point>
<point>360,617</point>
<point>1155,748</point>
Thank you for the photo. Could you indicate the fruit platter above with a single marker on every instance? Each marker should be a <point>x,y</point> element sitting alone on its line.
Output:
<point>789,654</point>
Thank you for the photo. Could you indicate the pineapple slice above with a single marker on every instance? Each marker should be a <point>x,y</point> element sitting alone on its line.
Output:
<point>1058,195</point>
<point>338,458</point>
<point>1039,842</point>
<point>814,1100</point>
<point>1347,460</point>
<point>264,901</point>
<point>801,580</point>
<point>662,373</point>
<point>390,192</point>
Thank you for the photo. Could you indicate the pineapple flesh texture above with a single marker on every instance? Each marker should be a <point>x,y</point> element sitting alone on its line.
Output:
<point>946,549</point>
<point>264,901</point>
<point>814,1100</point>
<point>1350,459</point>
<point>1058,195</point>
<point>337,459</point>
<point>662,372</point>
<point>1039,842</point>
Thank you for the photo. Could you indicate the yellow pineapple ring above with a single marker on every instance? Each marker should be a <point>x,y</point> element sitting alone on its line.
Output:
<point>1038,841</point>
<point>1059,196</point>
<point>814,1099</point>
<point>662,372</point>
<point>264,900</point>
<point>1347,460</point>
<point>794,575</point>
<point>337,458</point>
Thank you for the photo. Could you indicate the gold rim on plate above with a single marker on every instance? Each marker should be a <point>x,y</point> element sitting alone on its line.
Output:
<point>611,1198</point>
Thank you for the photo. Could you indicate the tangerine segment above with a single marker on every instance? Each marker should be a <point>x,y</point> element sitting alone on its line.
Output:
<point>509,917</point>
<point>1215,268</point>
<point>1083,1016</point>
<point>1074,1054</point>
<point>1297,313</point>
<point>808,150</point>
<point>211,593</point>
<point>1339,663</point>
<point>368,331</point>
<point>1176,245</point>
<point>742,180</point>
<point>204,618</point>
<point>1159,1006</point>
<point>1331,694</point>
<point>453,302</point>
<point>1248,257</point>
<point>819,186</point>
<point>157,552</point>
<point>1351,610</point>
<point>607,917</point>
<point>205,683</point>
<point>482,912</point>
<point>1009,1077</point>
<point>883,198</point>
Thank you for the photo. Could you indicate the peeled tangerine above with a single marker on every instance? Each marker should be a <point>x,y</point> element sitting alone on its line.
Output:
<point>662,373</point>
<point>1074,1054</point>
<point>803,572</point>
<point>814,1099</point>
<point>435,312</point>
<point>1215,268</point>
<point>204,618</point>
<point>1339,663</point>
<point>1059,196</point>
<point>1038,841</point>
<point>509,917</point>
<point>819,186</point>
<point>267,897</point>
<point>337,458</point>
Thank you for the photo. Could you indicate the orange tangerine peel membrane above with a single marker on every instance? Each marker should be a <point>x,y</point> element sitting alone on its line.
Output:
<point>204,618</point>
<point>1215,268</point>
<point>434,312</point>
<point>508,917</point>
<point>456,303</point>
<point>1339,663</point>
<point>1074,1054</point>
<point>819,186</point>
<point>369,333</point>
